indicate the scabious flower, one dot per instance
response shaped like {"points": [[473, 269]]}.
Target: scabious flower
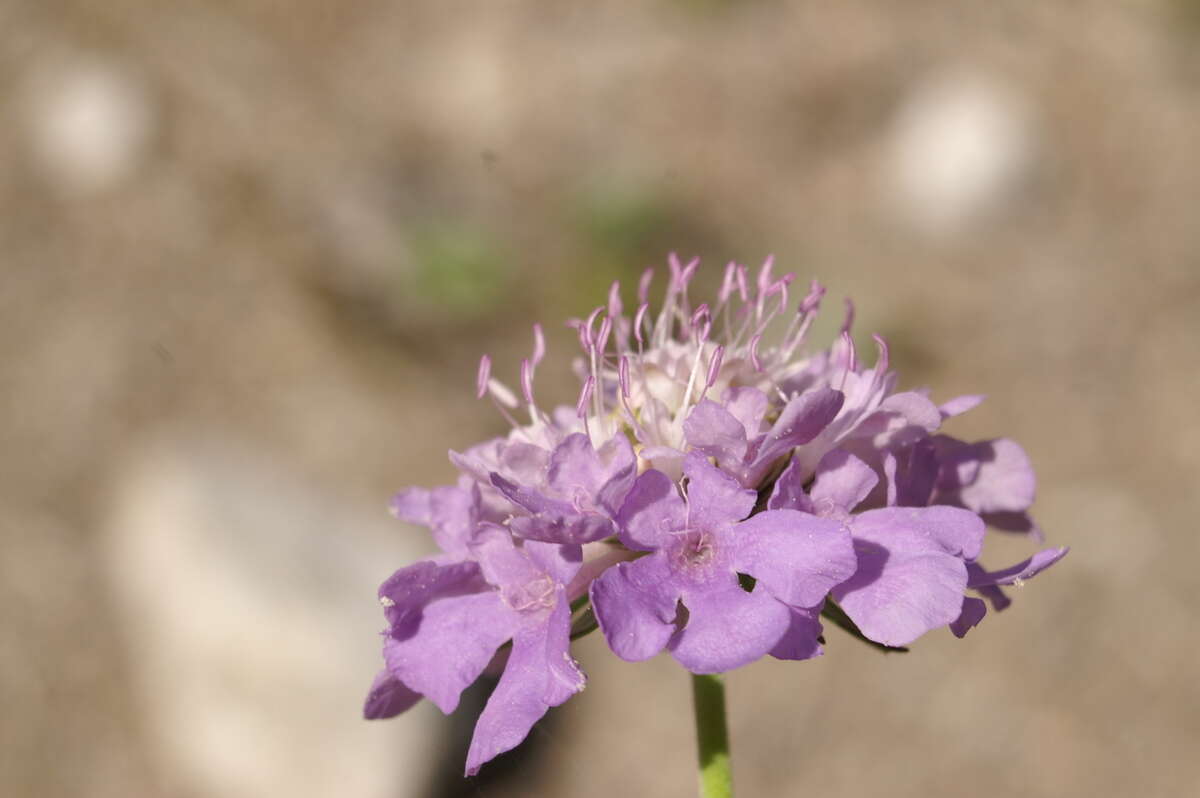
{"points": [[717, 489]]}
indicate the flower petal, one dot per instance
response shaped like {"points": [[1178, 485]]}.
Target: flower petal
{"points": [[959, 405], [842, 481], [635, 605], [901, 593], [580, 474], [714, 498], [796, 556], [789, 493], [406, 593], [540, 674], [803, 637], [802, 419], [388, 697], [748, 406], [715, 431], [911, 571], [1014, 575], [503, 564], [568, 529], [973, 610], [952, 530], [728, 627], [446, 649], [652, 510], [987, 477], [561, 563]]}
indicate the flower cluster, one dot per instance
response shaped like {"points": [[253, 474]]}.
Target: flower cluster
{"points": [[716, 490]]}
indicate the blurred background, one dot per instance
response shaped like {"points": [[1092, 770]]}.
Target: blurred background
{"points": [[250, 252]]}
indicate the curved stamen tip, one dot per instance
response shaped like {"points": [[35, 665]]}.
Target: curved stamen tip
{"points": [[481, 378], [638, 319], [849, 320], [688, 271], [614, 299], [881, 362], [585, 338], [727, 283], [527, 381], [644, 285], [742, 284], [764, 274], [539, 345], [813, 300], [676, 270], [602, 336], [701, 321], [851, 354]]}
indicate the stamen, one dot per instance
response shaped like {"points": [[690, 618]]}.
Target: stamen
{"points": [[754, 361], [527, 381], [882, 362], [781, 286], [481, 378], [637, 321], [764, 275], [585, 396], [714, 366], [688, 271], [676, 271], [502, 393], [727, 284], [701, 319], [614, 299], [849, 320], [591, 319], [539, 345], [644, 286], [851, 358], [691, 385], [602, 336], [852, 354], [623, 377], [743, 290], [813, 300]]}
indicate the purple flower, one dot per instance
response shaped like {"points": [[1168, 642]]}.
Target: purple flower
{"points": [[575, 497], [707, 492], [685, 594], [914, 563], [447, 620], [730, 433]]}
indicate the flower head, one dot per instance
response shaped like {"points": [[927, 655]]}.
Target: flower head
{"points": [[716, 488]]}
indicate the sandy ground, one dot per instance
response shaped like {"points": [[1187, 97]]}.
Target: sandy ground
{"points": [[250, 252]]}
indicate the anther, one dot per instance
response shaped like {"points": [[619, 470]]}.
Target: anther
{"points": [[638, 319], [481, 379], [539, 345], [527, 381], [644, 286]]}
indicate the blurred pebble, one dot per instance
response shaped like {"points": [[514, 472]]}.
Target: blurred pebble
{"points": [[958, 148], [90, 125]]}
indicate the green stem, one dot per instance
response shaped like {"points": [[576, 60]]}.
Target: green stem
{"points": [[712, 738]]}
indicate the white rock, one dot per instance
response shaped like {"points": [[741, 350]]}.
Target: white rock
{"points": [[249, 604]]}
